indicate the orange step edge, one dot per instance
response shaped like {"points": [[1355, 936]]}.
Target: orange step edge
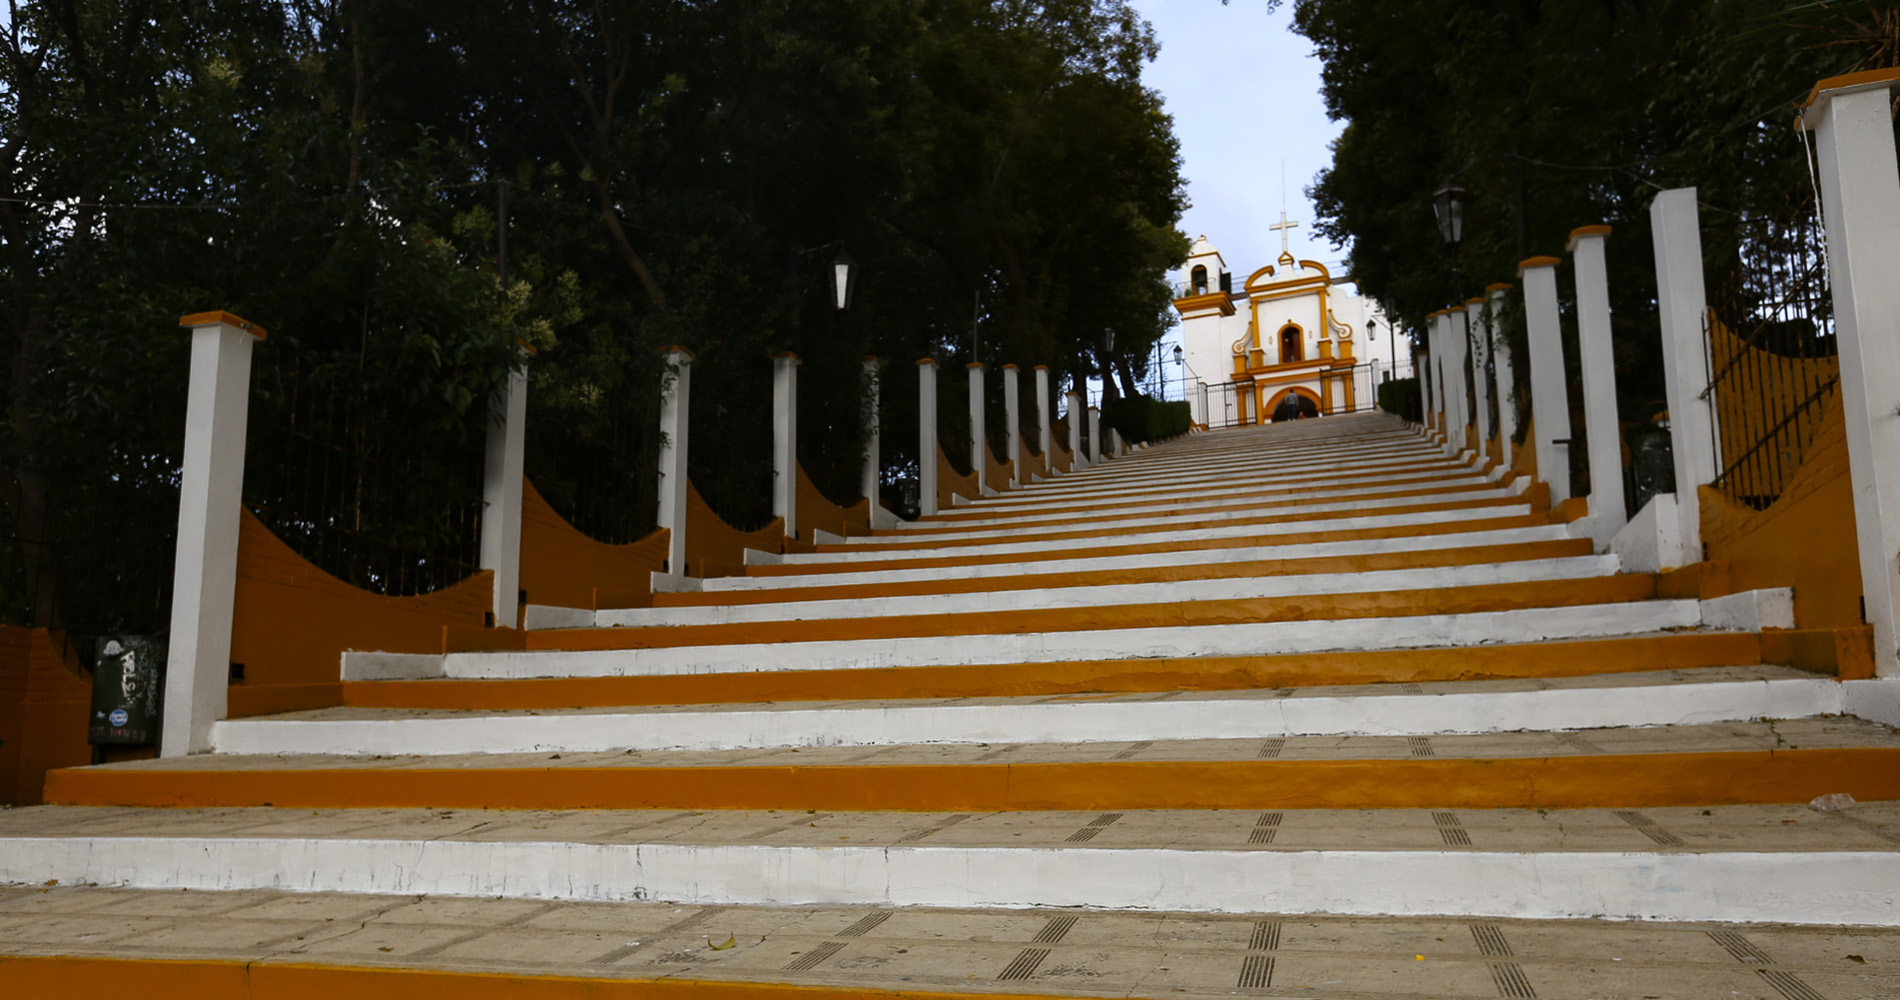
{"points": [[1701, 778], [1144, 548], [223, 979], [1574, 658], [1556, 548], [1170, 614]]}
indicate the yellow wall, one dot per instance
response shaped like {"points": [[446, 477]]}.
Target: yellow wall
{"points": [[44, 698], [564, 568]]}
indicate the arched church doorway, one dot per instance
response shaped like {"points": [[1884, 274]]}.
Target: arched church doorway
{"points": [[1292, 403]]}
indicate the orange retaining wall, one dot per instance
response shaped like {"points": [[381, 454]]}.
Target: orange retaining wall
{"points": [[44, 698], [997, 474], [1059, 458], [292, 620], [1805, 539], [715, 548], [564, 568], [949, 482], [815, 510]]}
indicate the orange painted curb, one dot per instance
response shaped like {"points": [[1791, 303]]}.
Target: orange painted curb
{"points": [[1143, 548], [1556, 548], [49, 976], [1581, 782], [1169, 614], [1677, 651]]}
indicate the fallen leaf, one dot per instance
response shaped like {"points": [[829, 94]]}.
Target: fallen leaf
{"points": [[731, 942]]}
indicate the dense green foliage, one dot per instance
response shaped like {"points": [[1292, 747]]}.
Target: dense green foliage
{"points": [[1401, 396], [1144, 419], [1555, 115], [675, 173]]}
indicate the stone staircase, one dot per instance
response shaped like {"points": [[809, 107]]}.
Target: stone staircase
{"points": [[1304, 710]]}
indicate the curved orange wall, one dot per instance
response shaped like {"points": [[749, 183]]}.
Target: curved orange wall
{"points": [[996, 474], [292, 621], [949, 482], [715, 548], [44, 698], [815, 510], [562, 567]]}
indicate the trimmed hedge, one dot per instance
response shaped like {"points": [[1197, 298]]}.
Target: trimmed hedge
{"points": [[1142, 419], [1400, 396]]}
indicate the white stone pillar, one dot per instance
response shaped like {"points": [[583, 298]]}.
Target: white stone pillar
{"points": [[1550, 392], [1077, 460], [1013, 416], [1682, 301], [1440, 347], [1860, 201], [785, 440], [1480, 368], [1207, 419], [1506, 372], [1597, 360], [927, 436], [501, 492], [1095, 436], [1045, 414], [676, 392], [1457, 379], [979, 440], [873, 475], [210, 496]]}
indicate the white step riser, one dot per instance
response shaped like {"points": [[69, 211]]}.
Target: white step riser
{"points": [[1838, 887], [1184, 557], [1149, 518], [1162, 537], [1254, 639], [1198, 499], [1058, 722], [1085, 486], [1111, 595], [1203, 464]]}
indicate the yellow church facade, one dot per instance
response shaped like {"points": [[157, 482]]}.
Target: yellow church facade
{"points": [[1290, 338]]}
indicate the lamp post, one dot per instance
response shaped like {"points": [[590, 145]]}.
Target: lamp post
{"points": [[844, 280], [1448, 205], [1181, 363]]}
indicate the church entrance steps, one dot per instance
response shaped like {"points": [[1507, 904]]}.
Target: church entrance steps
{"points": [[1262, 561], [1704, 695], [1275, 472], [1388, 522], [1365, 530], [1537, 542], [1732, 763], [1130, 500], [1571, 658], [871, 602], [1189, 513], [263, 944], [1529, 613]]}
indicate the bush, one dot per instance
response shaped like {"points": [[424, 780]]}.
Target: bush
{"points": [[1142, 420], [1400, 396]]}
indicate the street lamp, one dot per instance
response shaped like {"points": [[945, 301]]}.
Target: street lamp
{"points": [[844, 280], [1448, 204]]}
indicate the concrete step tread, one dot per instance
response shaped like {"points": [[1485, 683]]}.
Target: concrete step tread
{"points": [[1864, 826], [1727, 737], [665, 949]]}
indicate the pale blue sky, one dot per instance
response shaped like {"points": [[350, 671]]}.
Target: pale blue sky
{"points": [[1244, 93]]}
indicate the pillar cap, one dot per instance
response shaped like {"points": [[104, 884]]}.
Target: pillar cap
{"points": [[677, 349], [1475, 301], [788, 354], [1499, 286], [870, 357], [217, 316], [1434, 314], [932, 362], [530, 348], [1871, 79], [1582, 232], [1042, 368], [1530, 262], [1009, 368], [974, 364]]}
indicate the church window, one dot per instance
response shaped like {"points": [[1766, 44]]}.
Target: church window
{"points": [[1200, 280], [1291, 346]]}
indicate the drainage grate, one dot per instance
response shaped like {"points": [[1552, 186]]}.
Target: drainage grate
{"points": [[1133, 749], [1266, 936], [865, 924], [1265, 827], [1648, 828], [1789, 985], [1451, 829], [1741, 948], [1412, 689], [1511, 980], [1490, 938], [1054, 930], [1256, 972], [1025, 964], [1272, 748], [811, 958], [1095, 826], [948, 822], [1421, 746]]}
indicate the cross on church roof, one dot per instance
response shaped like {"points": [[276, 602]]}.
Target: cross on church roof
{"points": [[1283, 226]]}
